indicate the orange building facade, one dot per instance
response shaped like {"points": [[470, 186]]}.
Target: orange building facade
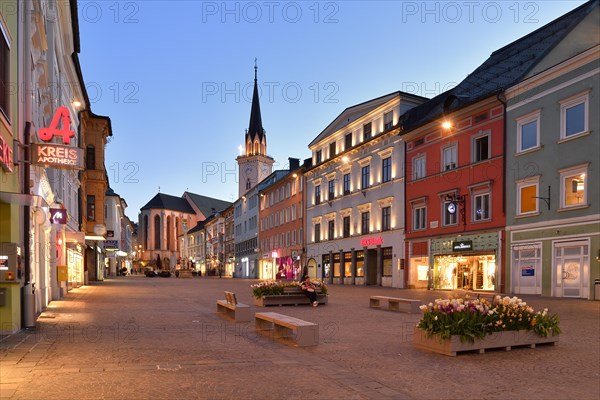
{"points": [[281, 224]]}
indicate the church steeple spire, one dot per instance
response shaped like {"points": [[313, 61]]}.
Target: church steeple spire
{"points": [[255, 129], [255, 165]]}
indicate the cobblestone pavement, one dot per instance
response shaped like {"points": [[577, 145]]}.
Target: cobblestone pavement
{"points": [[161, 338]]}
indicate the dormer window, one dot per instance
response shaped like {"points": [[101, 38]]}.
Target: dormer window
{"points": [[366, 131], [332, 150], [388, 120], [348, 141]]}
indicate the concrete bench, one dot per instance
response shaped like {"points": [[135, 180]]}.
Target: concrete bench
{"points": [[304, 333], [230, 307], [396, 304]]}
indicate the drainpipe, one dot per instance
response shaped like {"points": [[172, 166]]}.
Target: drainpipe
{"points": [[502, 99], [28, 290]]}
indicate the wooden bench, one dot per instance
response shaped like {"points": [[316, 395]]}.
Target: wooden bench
{"points": [[304, 333], [396, 304], [230, 307], [291, 296]]}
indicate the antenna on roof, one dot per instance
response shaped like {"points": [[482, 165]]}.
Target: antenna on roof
{"points": [[159, 189]]}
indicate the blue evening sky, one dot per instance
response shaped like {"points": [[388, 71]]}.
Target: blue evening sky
{"points": [[175, 77]]}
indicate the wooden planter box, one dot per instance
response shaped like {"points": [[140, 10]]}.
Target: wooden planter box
{"points": [[496, 340], [290, 296]]}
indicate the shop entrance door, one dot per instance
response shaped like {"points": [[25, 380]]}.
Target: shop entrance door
{"points": [[571, 261], [463, 276]]}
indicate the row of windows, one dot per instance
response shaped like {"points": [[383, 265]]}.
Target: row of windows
{"points": [[282, 217], [365, 181], [345, 264], [480, 205], [573, 122], [282, 193], [573, 191], [246, 247], [348, 142], [365, 225], [250, 224], [289, 238], [480, 151]]}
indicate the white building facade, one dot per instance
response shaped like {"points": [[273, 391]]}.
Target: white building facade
{"points": [[355, 195]]}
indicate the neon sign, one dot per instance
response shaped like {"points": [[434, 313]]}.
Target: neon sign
{"points": [[62, 115], [378, 241], [56, 155], [6, 155]]}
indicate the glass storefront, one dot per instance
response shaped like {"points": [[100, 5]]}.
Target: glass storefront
{"points": [[336, 265], [348, 264], [419, 272], [75, 267], [360, 263], [465, 271]]}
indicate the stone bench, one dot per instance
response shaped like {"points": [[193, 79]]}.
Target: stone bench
{"points": [[291, 296], [396, 304], [304, 333], [230, 307]]}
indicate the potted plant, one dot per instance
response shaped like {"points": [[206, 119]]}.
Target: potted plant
{"points": [[456, 324]]}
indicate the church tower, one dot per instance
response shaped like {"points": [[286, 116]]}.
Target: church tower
{"points": [[254, 165]]}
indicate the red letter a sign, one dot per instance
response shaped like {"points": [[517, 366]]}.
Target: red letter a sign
{"points": [[62, 114]]}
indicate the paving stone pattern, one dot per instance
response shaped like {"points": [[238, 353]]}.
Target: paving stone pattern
{"points": [[161, 338]]}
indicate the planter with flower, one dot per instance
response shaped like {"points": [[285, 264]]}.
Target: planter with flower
{"points": [[279, 293], [454, 325]]}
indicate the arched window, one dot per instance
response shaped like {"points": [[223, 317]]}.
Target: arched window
{"points": [[169, 233], [145, 228], [248, 184], [256, 147], [177, 232], [156, 233]]}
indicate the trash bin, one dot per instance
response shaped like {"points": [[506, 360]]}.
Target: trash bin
{"points": [[596, 289]]}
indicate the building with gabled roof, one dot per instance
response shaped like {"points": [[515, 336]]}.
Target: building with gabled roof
{"points": [[458, 192], [354, 195], [552, 185], [165, 218]]}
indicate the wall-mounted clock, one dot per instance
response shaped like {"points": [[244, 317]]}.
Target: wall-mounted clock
{"points": [[451, 207]]}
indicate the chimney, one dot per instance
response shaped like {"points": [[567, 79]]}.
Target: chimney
{"points": [[294, 163]]}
